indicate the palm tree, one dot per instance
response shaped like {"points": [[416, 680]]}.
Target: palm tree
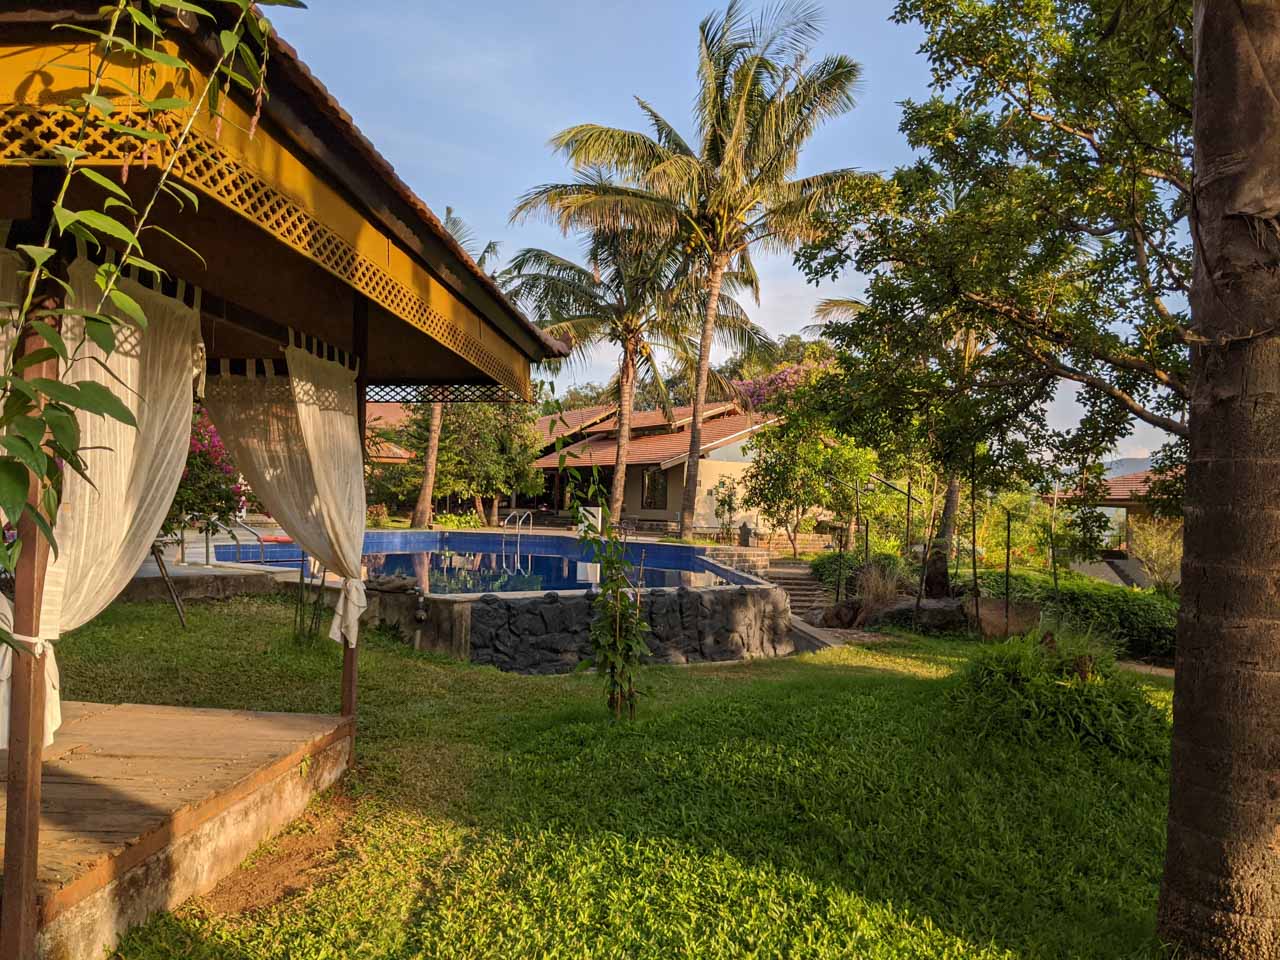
{"points": [[732, 190], [1221, 892], [635, 295], [422, 509]]}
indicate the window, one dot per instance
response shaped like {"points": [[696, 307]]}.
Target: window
{"points": [[653, 489]]}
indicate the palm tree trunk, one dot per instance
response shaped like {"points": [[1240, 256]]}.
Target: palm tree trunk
{"points": [[423, 508], [689, 502], [937, 579], [626, 400], [1221, 893]]}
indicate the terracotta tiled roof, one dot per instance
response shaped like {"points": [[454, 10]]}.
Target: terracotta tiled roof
{"points": [[680, 417], [386, 416], [384, 451], [666, 449], [1130, 486], [569, 422]]}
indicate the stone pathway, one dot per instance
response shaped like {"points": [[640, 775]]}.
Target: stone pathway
{"points": [[1150, 669]]}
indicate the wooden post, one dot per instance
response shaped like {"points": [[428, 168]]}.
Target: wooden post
{"points": [[908, 543], [360, 347], [1008, 553], [18, 918], [973, 536]]}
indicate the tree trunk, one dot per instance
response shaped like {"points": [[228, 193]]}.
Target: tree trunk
{"points": [[493, 510], [689, 502], [937, 578], [479, 505], [423, 509], [1221, 893], [626, 400]]}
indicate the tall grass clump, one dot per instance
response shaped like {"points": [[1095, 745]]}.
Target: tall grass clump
{"points": [[1045, 688]]}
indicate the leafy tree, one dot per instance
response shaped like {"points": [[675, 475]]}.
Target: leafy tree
{"points": [[1156, 543], [793, 350], [1066, 123], [579, 396], [486, 451], [731, 188], [636, 296], [795, 471], [919, 373]]}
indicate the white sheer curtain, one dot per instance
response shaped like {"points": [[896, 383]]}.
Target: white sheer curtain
{"points": [[105, 529], [297, 441]]}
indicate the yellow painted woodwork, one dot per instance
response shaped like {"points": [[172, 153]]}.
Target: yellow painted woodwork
{"points": [[257, 176]]}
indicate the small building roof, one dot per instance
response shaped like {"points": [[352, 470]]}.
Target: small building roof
{"points": [[663, 449], [1130, 486], [680, 417], [569, 423]]}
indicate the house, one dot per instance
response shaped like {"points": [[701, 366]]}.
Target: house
{"points": [[656, 459]]}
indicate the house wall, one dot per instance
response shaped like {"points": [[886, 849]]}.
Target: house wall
{"points": [[710, 474], [633, 498]]}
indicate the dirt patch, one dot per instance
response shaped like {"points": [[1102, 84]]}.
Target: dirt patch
{"points": [[307, 854]]}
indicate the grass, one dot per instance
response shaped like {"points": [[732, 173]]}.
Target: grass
{"points": [[819, 806]]}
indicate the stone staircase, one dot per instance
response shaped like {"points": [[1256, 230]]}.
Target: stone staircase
{"points": [[804, 590]]}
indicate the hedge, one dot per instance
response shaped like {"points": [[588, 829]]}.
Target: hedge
{"points": [[1141, 623]]}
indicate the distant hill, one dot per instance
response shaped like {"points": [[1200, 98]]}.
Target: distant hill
{"points": [[1125, 465]]}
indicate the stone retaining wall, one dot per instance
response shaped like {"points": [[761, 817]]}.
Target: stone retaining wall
{"points": [[549, 633]]}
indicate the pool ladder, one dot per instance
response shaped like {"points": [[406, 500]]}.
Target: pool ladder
{"points": [[519, 516]]}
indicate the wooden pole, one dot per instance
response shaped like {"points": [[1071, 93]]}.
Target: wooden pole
{"points": [[973, 536], [360, 347], [908, 543], [18, 918], [1053, 538], [1008, 553]]}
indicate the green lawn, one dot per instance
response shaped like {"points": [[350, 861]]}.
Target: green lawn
{"points": [[813, 807]]}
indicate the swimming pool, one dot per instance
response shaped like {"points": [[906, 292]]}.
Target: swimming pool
{"points": [[464, 562]]}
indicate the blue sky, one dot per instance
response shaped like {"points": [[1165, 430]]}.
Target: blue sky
{"points": [[462, 98]]}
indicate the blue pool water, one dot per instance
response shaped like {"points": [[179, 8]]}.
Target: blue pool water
{"points": [[466, 562]]}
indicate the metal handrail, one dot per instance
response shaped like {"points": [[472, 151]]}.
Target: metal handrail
{"points": [[215, 522], [520, 516], [262, 544]]}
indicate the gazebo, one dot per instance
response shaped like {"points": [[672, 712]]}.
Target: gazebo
{"points": [[321, 273]]}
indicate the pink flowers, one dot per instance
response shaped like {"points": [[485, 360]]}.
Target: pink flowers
{"points": [[763, 389]]}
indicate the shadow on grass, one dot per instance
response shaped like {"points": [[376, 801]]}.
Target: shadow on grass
{"points": [[805, 807], [846, 787]]}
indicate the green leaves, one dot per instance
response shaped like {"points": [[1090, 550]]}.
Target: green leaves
{"points": [[86, 395], [97, 398], [13, 488]]}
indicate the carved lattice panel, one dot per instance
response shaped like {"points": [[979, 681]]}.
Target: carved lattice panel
{"points": [[442, 393], [29, 133]]}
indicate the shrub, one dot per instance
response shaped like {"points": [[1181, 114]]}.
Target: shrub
{"points": [[878, 588], [376, 516], [1140, 623], [1059, 687], [457, 521], [1157, 545], [827, 567]]}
